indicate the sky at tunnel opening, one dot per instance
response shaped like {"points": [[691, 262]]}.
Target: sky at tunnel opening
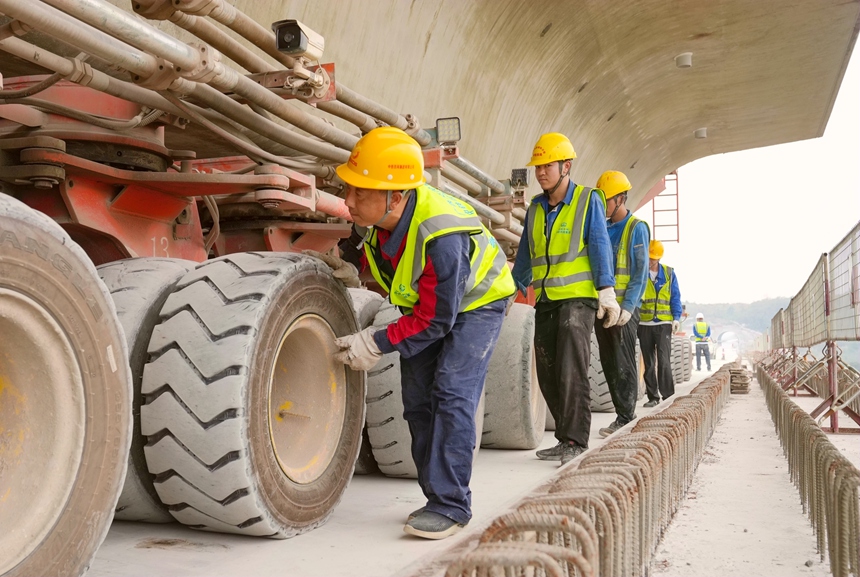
{"points": [[754, 223]]}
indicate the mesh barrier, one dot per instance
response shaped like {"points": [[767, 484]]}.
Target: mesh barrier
{"points": [[827, 308], [806, 322], [845, 288], [776, 331]]}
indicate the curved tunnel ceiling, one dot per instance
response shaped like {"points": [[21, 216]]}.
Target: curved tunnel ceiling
{"points": [[764, 72]]}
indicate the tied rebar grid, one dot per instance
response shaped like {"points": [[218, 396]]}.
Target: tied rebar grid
{"points": [[606, 516], [827, 481]]}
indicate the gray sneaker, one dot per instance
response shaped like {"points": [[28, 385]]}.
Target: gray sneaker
{"points": [[606, 431], [571, 452], [650, 404], [415, 513], [430, 525], [551, 454]]}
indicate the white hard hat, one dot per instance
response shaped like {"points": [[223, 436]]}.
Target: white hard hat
{"points": [[700, 316]]}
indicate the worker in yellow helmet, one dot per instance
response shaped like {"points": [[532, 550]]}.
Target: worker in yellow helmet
{"points": [[566, 255], [448, 275], [659, 317], [629, 237]]}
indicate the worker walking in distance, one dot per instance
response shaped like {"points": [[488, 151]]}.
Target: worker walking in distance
{"points": [[659, 317], [566, 256], [629, 237], [702, 334], [446, 272]]}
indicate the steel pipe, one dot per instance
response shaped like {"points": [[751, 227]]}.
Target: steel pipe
{"points": [[478, 174], [100, 81], [212, 35], [463, 181], [122, 25], [80, 35], [332, 205], [364, 122]]}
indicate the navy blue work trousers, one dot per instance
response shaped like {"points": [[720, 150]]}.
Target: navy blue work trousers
{"points": [[442, 386]]}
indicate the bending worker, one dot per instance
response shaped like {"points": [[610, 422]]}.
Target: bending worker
{"points": [[450, 278], [629, 237], [659, 317], [565, 254], [702, 334]]}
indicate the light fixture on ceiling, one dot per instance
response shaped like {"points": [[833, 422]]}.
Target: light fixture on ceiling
{"points": [[701, 133], [684, 60]]}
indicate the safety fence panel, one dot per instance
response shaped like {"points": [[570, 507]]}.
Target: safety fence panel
{"points": [[776, 330], [808, 312], [845, 288]]}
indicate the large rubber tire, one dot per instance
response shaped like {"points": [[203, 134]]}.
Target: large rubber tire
{"points": [[252, 427], [139, 287], [365, 305], [515, 411], [601, 400], [688, 360], [65, 399], [677, 357], [389, 434]]}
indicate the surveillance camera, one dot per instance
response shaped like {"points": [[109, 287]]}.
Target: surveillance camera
{"points": [[297, 39]]}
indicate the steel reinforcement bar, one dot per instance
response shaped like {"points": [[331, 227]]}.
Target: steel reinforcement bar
{"points": [[827, 481], [605, 513]]}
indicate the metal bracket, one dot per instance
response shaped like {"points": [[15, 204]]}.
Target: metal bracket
{"points": [[289, 84]]}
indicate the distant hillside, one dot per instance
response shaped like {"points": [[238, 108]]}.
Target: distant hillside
{"points": [[754, 316]]}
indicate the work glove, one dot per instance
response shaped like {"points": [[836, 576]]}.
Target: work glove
{"points": [[358, 350], [607, 305], [623, 318], [510, 304], [343, 271], [676, 326]]}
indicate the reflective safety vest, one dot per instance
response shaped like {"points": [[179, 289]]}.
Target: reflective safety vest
{"points": [[622, 260], [437, 214], [654, 304], [702, 329], [560, 264]]}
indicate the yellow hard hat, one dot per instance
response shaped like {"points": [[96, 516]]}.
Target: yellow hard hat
{"points": [[385, 158], [613, 183], [551, 147], [655, 250]]}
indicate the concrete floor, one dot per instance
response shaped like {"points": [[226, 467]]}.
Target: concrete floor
{"points": [[742, 516], [364, 536]]}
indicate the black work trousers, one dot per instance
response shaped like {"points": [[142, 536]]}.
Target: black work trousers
{"points": [[563, 350], [618, 358], [656, 344]]}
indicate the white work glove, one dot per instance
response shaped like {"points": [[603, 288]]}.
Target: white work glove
{"points": [[358, 350], [607, 305], [676, 326], [623, 318], [343, 271]]}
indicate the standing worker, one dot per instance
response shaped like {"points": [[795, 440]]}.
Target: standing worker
{"points": [[565, 254], [659, 317], [629, 237], [446, 272], [702, 334]]}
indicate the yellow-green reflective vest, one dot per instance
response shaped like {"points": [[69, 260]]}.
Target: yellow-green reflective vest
{"points": [[702, 329], [622, 261], [437, 214], [560, 265], [654, 304]]}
